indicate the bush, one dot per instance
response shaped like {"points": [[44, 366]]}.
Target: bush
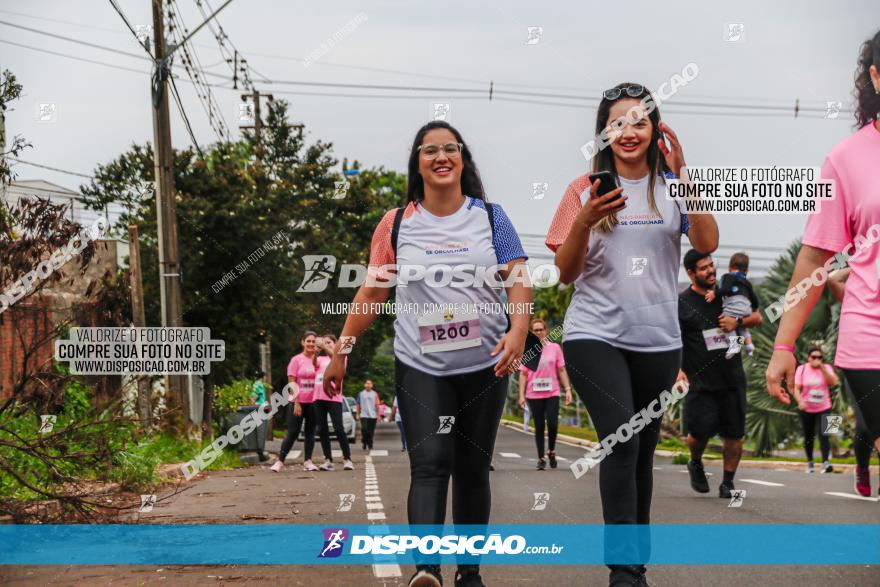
{"points": [[227, 398]]}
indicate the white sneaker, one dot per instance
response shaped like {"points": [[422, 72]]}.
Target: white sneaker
{"points": [[327, 466], [277, 466], [348, 465], [309, 466], [810, 468], [827, 468]]}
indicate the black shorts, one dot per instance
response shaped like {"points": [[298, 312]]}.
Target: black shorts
{"points": [[718, 411]]}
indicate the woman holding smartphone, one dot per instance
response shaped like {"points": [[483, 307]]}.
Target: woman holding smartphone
{"points": [[843, 225], [621, 341], [451, 361]]}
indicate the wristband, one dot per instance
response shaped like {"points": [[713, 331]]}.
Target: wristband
{"points": [[783, 347]]}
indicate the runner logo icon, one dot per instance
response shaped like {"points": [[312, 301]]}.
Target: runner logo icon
{"points": [[737, 496], [541, 501], [345, 502], [334, 542], [446, 423], [318, 271], [832, 425], [638, 265]]}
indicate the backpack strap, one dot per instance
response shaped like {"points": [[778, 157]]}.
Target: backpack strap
{"points": [[490, 212], [395, 229]]}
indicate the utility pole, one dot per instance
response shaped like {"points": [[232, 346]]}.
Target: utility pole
{"points": [[138, 320], [255, 96], [176, 390]]}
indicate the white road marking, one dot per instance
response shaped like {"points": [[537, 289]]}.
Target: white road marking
{"points": [[510, 455], [561, 459], [852, 496], [386, 571], [374, 502], [336, 453], [658, 468], [294, 454], [759, 482], [783, 470], [380, 453]]}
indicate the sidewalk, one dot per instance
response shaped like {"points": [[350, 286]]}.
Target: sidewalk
{"points": [[760, 464]]}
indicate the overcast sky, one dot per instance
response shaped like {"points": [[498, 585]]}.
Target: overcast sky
{"points": [[788, 50]]}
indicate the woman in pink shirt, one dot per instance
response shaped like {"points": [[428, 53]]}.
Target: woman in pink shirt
{"points": [[301, 372], [327, 405], [847, 226], [812, 391], [540, 389]]}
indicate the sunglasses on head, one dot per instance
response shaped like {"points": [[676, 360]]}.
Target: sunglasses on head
{"points": [[634, 91]]}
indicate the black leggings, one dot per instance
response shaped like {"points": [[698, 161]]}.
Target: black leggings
{"points": [[368, 428], [546, 408], [865, 387], [294, 425], [615, 384], [322, 408], [811, 421], [440, 447], [862, 445]]}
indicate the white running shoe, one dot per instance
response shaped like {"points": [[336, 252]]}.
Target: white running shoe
{"points": [[327, 466], [348, 465], [277, 466], [810, 468], [827, 468], [309, 466]]}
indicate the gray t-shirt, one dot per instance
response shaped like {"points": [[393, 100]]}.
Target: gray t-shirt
{"points": [[454, 328], [367, 402], [627, 293]]}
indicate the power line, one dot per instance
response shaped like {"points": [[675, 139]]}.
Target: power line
{"points": [[31, 163], [121, 14], [185, 117]]}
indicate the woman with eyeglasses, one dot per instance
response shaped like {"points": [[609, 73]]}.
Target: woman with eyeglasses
{"points": [[539, 389], [847, 225], [812, 391], [622, 341], [451, 250]]}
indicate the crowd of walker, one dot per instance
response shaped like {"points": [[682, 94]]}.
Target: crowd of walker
{"points": [[627, 335]]}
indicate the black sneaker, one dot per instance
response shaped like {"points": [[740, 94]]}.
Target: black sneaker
{"points": [[551, 456], [427, 577], [699, 483], [724, 490], [469, 578], [626, 576], [542, 464]]}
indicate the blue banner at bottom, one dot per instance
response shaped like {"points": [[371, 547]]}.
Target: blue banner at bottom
{"points": [[520, 544]]}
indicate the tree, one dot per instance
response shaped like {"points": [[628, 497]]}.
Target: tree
{"points": [[768, 422], [230, 204]]}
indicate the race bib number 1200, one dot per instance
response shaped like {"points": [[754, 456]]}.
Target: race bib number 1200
{"points": [[447, 331]]}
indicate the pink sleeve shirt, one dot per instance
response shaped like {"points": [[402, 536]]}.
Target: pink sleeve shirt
{"points": [[850, 224], [544, 382], [814, 388], [302, 369], [319, 382]]}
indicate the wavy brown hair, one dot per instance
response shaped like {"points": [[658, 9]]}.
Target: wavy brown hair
{"points": [[604, 159], [867, 98]]}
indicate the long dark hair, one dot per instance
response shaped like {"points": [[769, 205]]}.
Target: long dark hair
{"points": [[471, 184], [305, 335], [867, 98], [604, 159]]}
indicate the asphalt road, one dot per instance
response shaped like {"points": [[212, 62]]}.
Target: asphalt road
{"points": [[256, 495]]}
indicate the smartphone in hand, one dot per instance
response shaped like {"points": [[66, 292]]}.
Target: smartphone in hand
{"points": [[607, 184]]}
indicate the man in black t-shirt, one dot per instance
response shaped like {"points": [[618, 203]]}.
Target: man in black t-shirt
{"points": [[716, 399]]}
